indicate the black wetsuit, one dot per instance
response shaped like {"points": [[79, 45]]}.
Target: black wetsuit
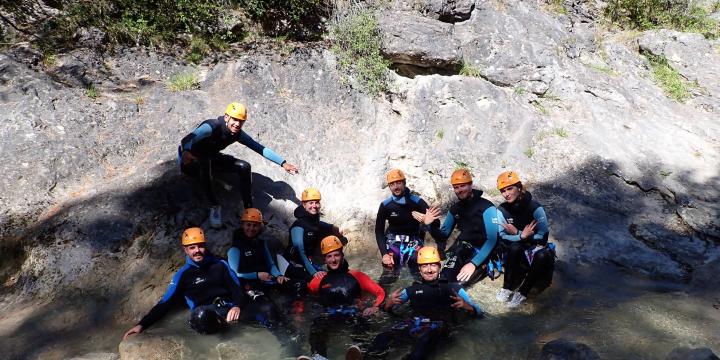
{"points": [[305, 235], [206, 142], [433, 318], [476, 218], [518, 267], [339, 292], [210, 288], [403, 236]]}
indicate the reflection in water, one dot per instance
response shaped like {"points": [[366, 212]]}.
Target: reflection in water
{"points": [[617, 315]]}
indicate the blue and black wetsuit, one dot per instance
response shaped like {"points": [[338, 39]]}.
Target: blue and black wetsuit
{"points": [[404, 235], [210, 288], [433, 317], [206, 142], [248, 257], [305, 235], [526, 262], [477, 220]]}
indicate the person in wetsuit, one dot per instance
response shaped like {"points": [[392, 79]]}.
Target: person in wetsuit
{"points": [[250, 258], [306, 232], [207, 284], [525, 231], [340, 293], [398, 244], [199, 156], [476, 218], [436, 307]]}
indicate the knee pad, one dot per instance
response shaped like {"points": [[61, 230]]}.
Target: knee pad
{"points": [[205, 321], [243, 167]]}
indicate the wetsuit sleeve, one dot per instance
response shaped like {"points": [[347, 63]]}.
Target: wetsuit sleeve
{"points": [[503, 233], [489, 218], [172, 294], [297, 234], [404, 296], [314, 285], [234, 262], [255, 146], [542, 226], [370, 286], [233, 284], [198, 134], [380, 229], [464, 295], [274, 271]]}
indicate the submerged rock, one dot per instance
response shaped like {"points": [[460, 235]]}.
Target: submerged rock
{"points": [[563, 349]]}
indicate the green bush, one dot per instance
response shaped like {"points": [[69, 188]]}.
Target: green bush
{"points": [[357, 45], [183, 82], [299, 19], [681, 15], [674, 85]]}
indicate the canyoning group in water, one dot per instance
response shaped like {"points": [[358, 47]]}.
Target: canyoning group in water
{"points": [[510, 240]]}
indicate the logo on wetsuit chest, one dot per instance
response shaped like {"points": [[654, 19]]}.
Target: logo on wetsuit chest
{"points": [[198, 280], [249, 253], [394, 214], [310, 233], [511, 221], [418, 291]]}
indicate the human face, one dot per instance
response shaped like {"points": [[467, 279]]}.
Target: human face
{"points": [[397, 187], [196, 252], [334, 259], [312, 206], [430, 272], [251, 229], [463, 191], [235, 125], [510, 193]]}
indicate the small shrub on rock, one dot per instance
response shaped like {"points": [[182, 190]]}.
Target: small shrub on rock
{"points": [[357, 44], [682, 15], [674, 84]]}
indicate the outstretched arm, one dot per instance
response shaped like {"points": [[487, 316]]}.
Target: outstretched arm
{"points": [[297, 235]]}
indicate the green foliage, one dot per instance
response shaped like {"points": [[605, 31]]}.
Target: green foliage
{"points": [[183, 82], [603, 68], [469, 70], [681, 15], [461, 164], [561, 132], [665, 173], [299, 19], [357, 46], [519, 90], [540, 107], [674, 85], [440, 134], [529, 152], [557, 7], [198, 49], [91, 92]]}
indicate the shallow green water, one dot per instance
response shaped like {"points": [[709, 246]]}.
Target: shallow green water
{"points": [[617, 315]]}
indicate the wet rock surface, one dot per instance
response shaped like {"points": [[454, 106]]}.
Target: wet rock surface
{"points": [[92, 198], [563, 349]]}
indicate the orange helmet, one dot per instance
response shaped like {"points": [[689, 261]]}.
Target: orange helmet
{"points": [[330, 244], [236, 110], [395, 175], [507, 178], [252, 215], [461, 176], [310, 193], [428, 255], [193, 235]]}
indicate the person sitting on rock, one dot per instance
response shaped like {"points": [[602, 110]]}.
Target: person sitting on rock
{"points": [[208, 285], [476, 218], [250, 257], [530, 259], [340, 293], [199, 156], [305, 236], [398, 244], [436, 308]]}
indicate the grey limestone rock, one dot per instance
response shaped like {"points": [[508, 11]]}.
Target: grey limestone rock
{"points": [[563, 349]]}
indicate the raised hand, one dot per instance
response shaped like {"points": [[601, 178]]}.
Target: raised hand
{"points": [[529, 230]]}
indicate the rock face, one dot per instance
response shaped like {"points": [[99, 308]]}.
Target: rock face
{"points": [[692, 354], [92, 198]]}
